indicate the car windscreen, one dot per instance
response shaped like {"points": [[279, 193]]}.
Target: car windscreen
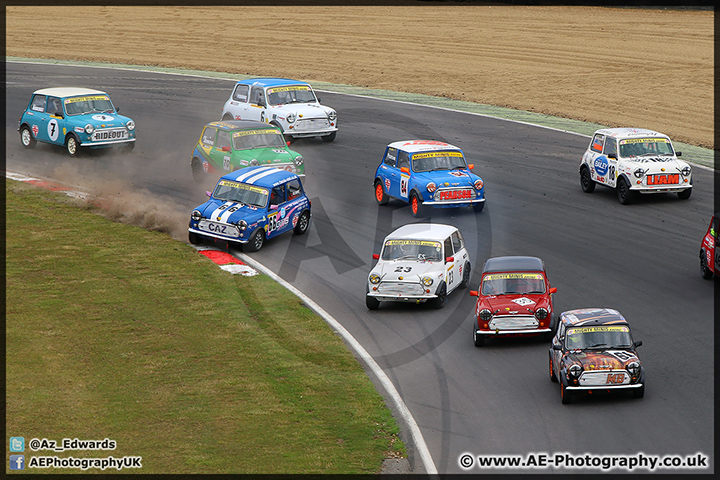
{"points": [[430, 161], [290, 94], [265, 138], [421, 250], [512, 284], [601, 337], [88, 104], [639, 147], [230, 191]]}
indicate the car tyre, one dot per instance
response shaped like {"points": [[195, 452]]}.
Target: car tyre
{"points": [[553, 378], [197, 170], [441, 299], [415, 205], [478, 207], [639, 392], [685, 194], [586, 182], [625, 195], [565, 395], [380, 197], [256, 240], [478, 339], [26, 137], [372, 303], [227, 117], [72, 146], [194, 238], [303, 223], [466, 276], [704, 270], [329, 138]]}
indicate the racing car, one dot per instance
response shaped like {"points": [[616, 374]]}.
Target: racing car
{"points": [[251, 205], [427, 173], [709, 254]]}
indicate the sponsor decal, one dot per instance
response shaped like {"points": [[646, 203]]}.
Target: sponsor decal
{"points": [[255, 132], [426, 142], [523, 301], [505, 276], [644, 140], [457, 173], [424, 243], [437, 154], [79, 129], [615, 378], [667, 179], [35, 130], [404, 180], [295, 219], [103, 118], [86, 99], [454, 194], [287, 89], [53, 130], [117, 134], [387, 180], [37, 108], [601, 166], [572, 331]]}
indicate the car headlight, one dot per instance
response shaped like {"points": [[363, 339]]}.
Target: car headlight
{"points": [[253, 162], [426, 280], [633, 368], [431, 187], [485, 315], [290, 118], [196, 215], [374, 278], [478, 184], [639, 172], [541, 313], [332, 116], [89, 129], [299, 160], [242, 224], [574, 370], [686, 171], [130, 125]]}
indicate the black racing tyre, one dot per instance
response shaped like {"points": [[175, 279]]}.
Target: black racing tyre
{"points": [[625, 195], [256, 240], [372, 303], [329, 138], [566, 396], [478, 207], [26, 137], [441, 299], [478, 339], [197, 169], [685, 194], [704, 269], [466, 276], [416, 205], [586, 182], [639, 392], [303, 223], [72, 145], [194, 238], [553, 378], [380, 196], [227, 117]]}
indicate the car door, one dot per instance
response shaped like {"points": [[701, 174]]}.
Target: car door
{"points": [[256, 104], [278, 221], [403, 171], [596, 160], [221, 152], [55, 120], [460, 254], [239, 103], [452, 272], [389, 173], [610, 153], [37, 118]]}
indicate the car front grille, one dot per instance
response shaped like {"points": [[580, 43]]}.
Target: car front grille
{"points": [[513, 322], [604, 377], [400, 289], [311, 124]]}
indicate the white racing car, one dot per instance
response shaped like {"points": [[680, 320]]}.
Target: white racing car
{"points": [[634, 160], [419, 262]]}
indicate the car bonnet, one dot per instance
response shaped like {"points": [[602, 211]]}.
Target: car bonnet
{"points": [[447, 178], [603, 360], [391, 270]]}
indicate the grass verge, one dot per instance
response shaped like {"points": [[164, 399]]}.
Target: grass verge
{"points": [[117, 332]]}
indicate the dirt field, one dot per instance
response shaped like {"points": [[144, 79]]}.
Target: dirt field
{"points": [[615, 66]]}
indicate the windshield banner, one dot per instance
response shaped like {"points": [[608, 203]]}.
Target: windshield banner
{"points": [[437, 154], [86, 99]]}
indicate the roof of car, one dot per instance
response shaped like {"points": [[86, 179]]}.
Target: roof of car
{"points": [[513, 264], [625, 132], [592, 316], [423, 231], [68, 91], [240, 124], [260, 176], [414, 146], [271, 82]]}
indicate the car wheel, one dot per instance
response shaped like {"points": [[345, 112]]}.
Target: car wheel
{"points": [[194, 238], [704, 270], [26, 137], [685, 194], [586, 181], [638, 392], [565, 395], [372, 303], [227, 117], [625, 195], [441, 299], [72, 145], [380, 196], [197, 170], [256, 241], [478, 340], [478, 207], [129, 147], [415, 205], [466, 276], [553, 378], [329, 138], [303, 223]]}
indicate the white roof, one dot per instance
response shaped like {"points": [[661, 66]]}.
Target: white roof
{"points": [[68, 91], [625, 132], [423, 231], [414, 146]]}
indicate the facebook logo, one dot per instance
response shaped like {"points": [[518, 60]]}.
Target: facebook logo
{"points": [[17, 462], [17, 444]]}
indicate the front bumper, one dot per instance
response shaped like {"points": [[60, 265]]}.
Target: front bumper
{"points": [[453, 203], [525, 331], [663, 189], [219, 237]]}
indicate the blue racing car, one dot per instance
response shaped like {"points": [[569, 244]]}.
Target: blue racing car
{"points": [[251, 205], [427, 173]]}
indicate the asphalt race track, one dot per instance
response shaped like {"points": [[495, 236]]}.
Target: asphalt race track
{"points": [[640, 259]]}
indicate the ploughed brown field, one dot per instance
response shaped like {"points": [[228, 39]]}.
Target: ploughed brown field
{"points": [[650, 68]]}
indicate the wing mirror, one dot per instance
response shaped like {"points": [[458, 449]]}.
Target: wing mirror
{"points": [[376, 256], [552, 290], [471, 166], [226, 149], [208, 193], [474, 293], [449, 259], [405, 169], [638, 343], [556, 346], [678, 154]]}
